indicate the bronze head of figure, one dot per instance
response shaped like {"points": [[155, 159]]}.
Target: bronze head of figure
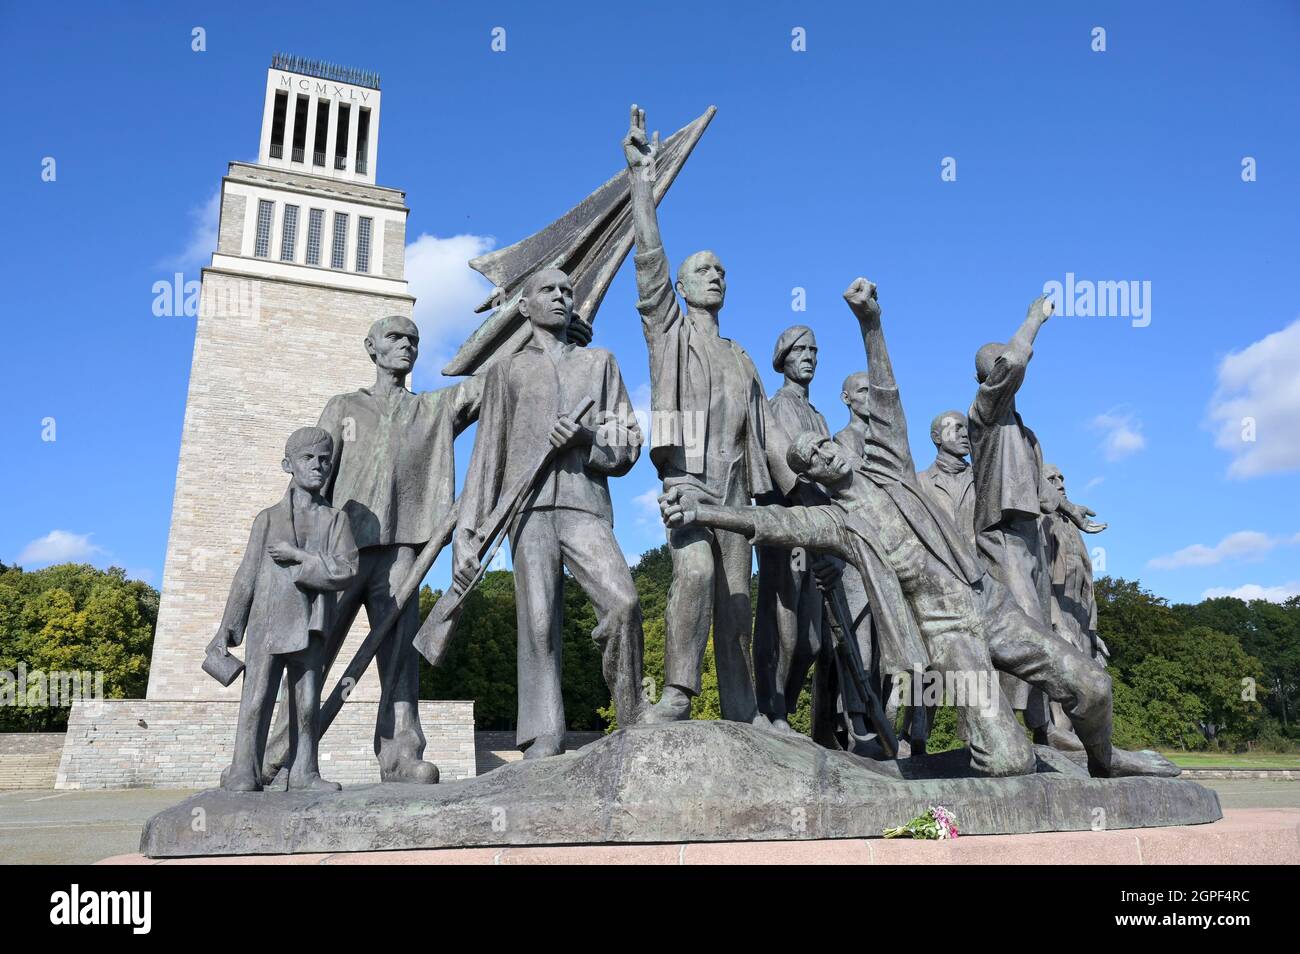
{"points": [[948, 431]]}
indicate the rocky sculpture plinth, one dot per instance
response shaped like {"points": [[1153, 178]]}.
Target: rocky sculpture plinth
{"points": [[690, 781]]}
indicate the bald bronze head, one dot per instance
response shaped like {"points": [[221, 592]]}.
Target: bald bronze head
{"points": [[818, 458], [393, 343], [986, 357], [702, 281], [854, 393]]}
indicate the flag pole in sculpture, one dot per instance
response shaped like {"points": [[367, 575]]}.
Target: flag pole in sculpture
{"points": [[588, 243]]}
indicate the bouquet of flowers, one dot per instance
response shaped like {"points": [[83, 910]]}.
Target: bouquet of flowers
{"points": [[935, 824]]}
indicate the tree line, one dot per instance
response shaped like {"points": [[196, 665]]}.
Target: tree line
{"points": [[1219, 674]]}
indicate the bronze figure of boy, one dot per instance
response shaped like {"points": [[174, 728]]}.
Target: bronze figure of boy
{"points": [[300, 554]]}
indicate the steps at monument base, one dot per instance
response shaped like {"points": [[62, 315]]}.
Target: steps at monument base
{"points": [[29, 759], [493, 749], [1271, 775], [28, 769]]}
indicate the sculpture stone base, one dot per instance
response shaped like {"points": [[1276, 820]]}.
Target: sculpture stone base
{"points": [[686, 782]]}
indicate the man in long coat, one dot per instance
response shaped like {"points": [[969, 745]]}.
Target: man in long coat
{"points": [[712, 437], [566, 519]]}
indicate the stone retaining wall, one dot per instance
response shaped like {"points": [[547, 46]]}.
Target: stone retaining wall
{"points": [[148, 743]]}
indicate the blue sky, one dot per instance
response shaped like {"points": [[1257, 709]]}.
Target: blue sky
{"points": [[1120, 165]]}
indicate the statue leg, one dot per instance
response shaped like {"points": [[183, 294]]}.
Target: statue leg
{"points": [[1060, 734], [825, 696], [874, 666], [1038, 711], [732, 621], [1012, 553], [954, 620], [304, 677], [998, 745], [804, 645], [920, 719], [539, 579], [399, 739], [1030, 651], [690, 608], [262, 673], [345, 612], [767, 626], [596, 561]]}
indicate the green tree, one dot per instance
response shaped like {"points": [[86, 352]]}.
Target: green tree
{"points": [[1170, 714], [943, 731], [481, 662], [1215, 670], [1270, 632], [1133, 622], [74, 618]]}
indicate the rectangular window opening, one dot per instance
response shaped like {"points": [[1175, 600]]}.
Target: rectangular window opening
{"points": [[278, 114], [265, 212], [289, 233], [300, 127], [338, 250], [315, 223], [364, 228], [363, 140], [321, 139], [341, 137]]}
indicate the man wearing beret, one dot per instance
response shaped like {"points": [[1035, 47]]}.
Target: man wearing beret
{"points": [[789, 631]]}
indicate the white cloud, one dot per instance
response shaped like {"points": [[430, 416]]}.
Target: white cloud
{"points": [[59, 546], [204, 220], [1122, 434], [1095, 482], [1255, 410], [446, 293], [1242, 545], [1253, 591], [647, 506]]}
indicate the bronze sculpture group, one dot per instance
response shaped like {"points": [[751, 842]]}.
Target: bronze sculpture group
{"points": [[870, 573]]}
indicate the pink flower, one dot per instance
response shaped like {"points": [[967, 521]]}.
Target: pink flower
{"points": [[946, 823]]}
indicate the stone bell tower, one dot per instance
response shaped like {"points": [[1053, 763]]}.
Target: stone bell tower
{"points": [[310, 251]]}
